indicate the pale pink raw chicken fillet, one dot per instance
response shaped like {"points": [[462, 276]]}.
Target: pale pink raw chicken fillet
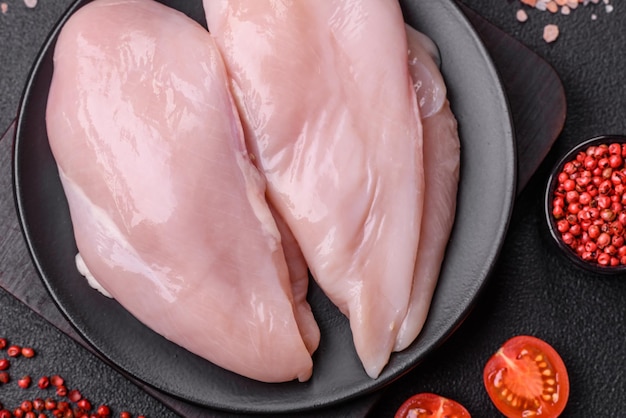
{"points": [[331, 118], [441, 173], [168, 211], [299, 274]]}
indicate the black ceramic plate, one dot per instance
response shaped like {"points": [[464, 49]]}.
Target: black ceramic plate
{"points": [[484, 205]]}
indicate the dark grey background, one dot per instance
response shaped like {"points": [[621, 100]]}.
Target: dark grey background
{"points": [[531, 291]]}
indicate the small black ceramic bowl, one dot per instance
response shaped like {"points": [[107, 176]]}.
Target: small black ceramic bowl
{"points": [[585, 205]]}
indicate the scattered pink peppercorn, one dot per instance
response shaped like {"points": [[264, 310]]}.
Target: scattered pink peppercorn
{"points": [[57, 380], [74, 396], [84, 404], [28, 352], [37, 408], [103, 411], [3, 344], [26, 406], [43, 382], [38, 404], [62, 390], [4, 377], [14, 351], [50, 404], [24, 382]]}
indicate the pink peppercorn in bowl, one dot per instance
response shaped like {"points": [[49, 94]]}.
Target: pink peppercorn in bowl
{"points": [[585, 204]]}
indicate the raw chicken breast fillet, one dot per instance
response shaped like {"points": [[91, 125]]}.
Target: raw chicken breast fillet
{"points": [[331, 118], [441, 173], [168, 211]]}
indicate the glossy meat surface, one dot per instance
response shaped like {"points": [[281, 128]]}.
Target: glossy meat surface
{"points": [[441, 173], [168, 211], [331, 117]]}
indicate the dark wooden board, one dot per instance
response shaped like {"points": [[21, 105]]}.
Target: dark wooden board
{"points": [[535, 94]]}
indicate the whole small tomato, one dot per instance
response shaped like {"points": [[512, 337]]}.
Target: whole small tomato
{"points": [[431, 405], [527, 377]]}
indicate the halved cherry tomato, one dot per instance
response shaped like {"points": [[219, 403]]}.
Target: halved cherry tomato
{"points": [[432, 406], [526, 377]]}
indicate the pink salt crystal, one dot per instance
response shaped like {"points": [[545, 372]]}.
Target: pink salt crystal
{"points": [[572, 4], [552, 7], [550, 33], [4, 7], [30, 3], [521, 15]]}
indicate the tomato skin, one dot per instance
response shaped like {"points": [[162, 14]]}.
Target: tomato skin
{"points": [[526, 377], [431, 405]]}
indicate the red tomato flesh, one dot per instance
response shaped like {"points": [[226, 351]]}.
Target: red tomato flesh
{"points": [[431, 405], [526, 377]]}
